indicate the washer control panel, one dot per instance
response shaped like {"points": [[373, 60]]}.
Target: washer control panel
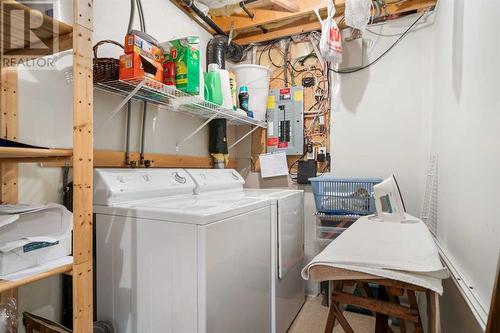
{"points": [[112, 186], [211, 180]]}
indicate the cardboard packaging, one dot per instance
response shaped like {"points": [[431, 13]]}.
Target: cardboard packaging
{"points": [[137, 66], [134, 43], [32, 235], [185, 53]]}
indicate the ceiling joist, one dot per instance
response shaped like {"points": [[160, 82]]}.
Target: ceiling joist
{"points": [[272, 19]]}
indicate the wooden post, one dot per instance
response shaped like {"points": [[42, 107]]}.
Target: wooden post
{"points": [[9, 130], [82, 166]]}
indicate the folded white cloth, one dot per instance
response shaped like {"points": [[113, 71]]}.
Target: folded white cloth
{"points": [[400, 251]]}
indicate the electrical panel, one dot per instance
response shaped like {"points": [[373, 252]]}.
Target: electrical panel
{"points": [[285, 120]]}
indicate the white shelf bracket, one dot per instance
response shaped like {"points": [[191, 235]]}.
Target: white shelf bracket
{"points": [[243, 137], [193, 133], [121, 105]]}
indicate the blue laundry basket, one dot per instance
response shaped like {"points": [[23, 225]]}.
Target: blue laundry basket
{"points": [[344, 196]]}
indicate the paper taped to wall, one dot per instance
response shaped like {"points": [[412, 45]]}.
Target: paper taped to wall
{"points": [[273, 165]]}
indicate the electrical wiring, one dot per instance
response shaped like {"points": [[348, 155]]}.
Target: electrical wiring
{"points": [[403, 35]]}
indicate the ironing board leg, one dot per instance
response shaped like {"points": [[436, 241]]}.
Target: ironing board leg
{"points": [[381, 320]]}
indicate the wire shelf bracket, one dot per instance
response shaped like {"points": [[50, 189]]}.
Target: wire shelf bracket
{"points": [[243, 137], [193, 133], [171, 99]]}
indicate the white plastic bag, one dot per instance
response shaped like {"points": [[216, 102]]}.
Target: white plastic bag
{"points": [[330, 44], [357, 13]]}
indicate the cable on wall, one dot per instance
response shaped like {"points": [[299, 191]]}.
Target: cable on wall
{"points": [[403, 35]]}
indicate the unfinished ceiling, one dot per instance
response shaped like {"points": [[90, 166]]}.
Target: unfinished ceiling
{"points": [[264, 20]]}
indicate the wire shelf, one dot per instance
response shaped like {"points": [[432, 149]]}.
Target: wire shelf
{"points": [[175, 100]]}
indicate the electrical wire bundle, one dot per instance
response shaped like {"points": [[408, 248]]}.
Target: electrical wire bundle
{"points": [[318, 78]]}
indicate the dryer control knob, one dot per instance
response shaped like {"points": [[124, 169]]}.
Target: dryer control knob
{"points": [[147, 177]]}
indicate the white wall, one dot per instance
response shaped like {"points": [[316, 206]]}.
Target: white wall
{"points": [[465, 127], [382, 121], [45, 111]]}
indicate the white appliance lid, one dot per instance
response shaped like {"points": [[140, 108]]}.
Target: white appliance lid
{"points": [[114, 186], [190, 209], [216, 180]]}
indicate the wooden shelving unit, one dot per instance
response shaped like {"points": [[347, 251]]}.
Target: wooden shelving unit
{"points": [[57, 37], [30, 155], [8, 285]]}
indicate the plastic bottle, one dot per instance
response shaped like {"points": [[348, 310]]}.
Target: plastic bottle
{"points": [[232, 84], [244, 98], [212, 89]]}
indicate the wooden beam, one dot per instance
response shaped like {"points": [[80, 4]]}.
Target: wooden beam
{"points": [[82, 166], [9, 172], [116, 159], [264, 16], [303, 22], [287, 5], [294, 28]]}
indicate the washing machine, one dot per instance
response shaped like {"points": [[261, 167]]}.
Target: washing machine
{"points": [[287, 238], [171, 261]]}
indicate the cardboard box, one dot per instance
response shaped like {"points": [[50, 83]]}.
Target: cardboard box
{"points": [[136, 66], [185, 52], [134, 43]]}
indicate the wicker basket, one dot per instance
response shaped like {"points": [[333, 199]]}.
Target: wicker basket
{"points": [[106, 69]]}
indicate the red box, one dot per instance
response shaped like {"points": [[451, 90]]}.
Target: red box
{"points": [[134, 43], [136, 66]]}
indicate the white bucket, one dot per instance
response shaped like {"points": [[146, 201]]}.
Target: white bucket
{"points": [[256, 78]]}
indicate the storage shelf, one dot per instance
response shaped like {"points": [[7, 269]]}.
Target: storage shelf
{"points": [[56, 36], [7, 285], [10, 154], [175, 100]]}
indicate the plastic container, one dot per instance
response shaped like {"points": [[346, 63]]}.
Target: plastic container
{"points": [[243, 98], [336, 221], [344, 196], [212, 87], [329, 233], [227, 98], [256, 78]]}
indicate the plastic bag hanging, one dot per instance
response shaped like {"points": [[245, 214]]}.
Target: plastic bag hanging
{"points": [[357, 13], [330, 44]]}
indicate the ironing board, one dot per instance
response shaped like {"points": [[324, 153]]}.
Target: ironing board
{"points": [[382, 309], [400, 259]]}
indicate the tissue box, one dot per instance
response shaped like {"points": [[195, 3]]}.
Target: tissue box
{"points": [[33, 237], [136, 66]]}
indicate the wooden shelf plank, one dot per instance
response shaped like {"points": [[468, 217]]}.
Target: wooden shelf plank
{"points": [[116, 159], [10, 154], [8, 285], [53, 36]]}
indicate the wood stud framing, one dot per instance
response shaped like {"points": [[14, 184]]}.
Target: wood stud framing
{"points": [[292, 17], [82, 166], [116, 159], [80, 38], [9, 192]]}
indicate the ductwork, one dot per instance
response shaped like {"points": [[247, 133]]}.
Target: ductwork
{"points": [[218, 50]]}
